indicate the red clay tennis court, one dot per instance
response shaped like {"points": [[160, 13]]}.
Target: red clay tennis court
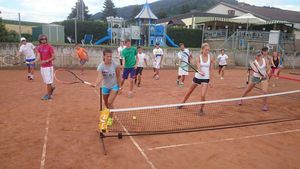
{"points": [[61, 133]]}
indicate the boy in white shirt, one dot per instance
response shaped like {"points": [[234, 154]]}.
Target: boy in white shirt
{"points": [[28, 50], [222, 63], [158, 57], [184, 56], [142, 61], [120, 48]]}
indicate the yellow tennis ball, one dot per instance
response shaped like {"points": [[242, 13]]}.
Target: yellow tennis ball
{"points": [[134, 117]]}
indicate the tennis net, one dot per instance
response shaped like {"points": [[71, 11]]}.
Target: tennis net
{"points": [[225, 113]]}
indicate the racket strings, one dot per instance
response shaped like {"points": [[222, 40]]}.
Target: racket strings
{"points": [[65, 76]]}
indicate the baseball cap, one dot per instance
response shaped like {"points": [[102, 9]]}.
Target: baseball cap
{"points": [[258, 53], [23, 39], [157, 43]]}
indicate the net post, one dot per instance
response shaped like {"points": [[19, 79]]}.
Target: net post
{"points": [[100, 99], [102, 136]]}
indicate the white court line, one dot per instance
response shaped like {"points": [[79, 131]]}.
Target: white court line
{"points": [[43, 158], [134, 142], [138, 147], [223, 140]]}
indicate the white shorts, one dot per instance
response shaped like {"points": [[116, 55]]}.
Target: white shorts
{"points": [[181, 72], [47, 74], [156, 63]]}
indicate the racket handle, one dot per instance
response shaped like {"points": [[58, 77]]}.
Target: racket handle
{"points": [[88, 83]]}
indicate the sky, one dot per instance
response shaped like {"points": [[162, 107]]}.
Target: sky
{"points": [[48, 11]]}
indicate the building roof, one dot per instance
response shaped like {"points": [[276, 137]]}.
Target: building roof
{"points": [[192, 14], [146, 13], [177, 22], [267, 13]]}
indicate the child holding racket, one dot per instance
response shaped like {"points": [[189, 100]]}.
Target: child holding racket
{"points": [[28, 50], [205, 64], [260, 68], [184, 56], [46, 55], [222, 63], [82, 56], [109, 75]]}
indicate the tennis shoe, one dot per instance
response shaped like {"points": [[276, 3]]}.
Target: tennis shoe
{"points": [[179, 107], [177, 82], [222, 78], [240, 102], [265, 108], [130, 94], [181, 84], [201, 112], [46, 97]]}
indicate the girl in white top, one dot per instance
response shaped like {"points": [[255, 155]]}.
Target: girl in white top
{"points": [[222, 63], [205, 64], [262, 64]]}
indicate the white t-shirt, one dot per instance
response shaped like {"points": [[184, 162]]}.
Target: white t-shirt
{"points": [[158, 52], [184, 55], [142, 58], [27, 50], [120, 51], [222, 59]]}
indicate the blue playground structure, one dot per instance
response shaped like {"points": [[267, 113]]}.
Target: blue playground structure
{"points": [[105, 38], [146, 33], [171, 42]]}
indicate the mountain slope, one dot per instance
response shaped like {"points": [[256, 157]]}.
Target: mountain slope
{"points": [[170, 7]]}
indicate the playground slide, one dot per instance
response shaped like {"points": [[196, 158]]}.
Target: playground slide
{"points": [[98, 42], [108, 37], [171, 42]]}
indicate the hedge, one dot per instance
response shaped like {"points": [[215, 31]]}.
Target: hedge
{"points": [[190, 37]]}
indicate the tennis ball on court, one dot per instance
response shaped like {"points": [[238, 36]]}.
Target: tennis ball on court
{"points": [[134, 117]]}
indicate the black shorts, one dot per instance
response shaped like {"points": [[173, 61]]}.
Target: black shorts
{"points": [[199, 81], [221, 66], [139, 70]]}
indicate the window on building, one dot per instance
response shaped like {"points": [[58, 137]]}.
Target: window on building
{"points": [[231, 12]]}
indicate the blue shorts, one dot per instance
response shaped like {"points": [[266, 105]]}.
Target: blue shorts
{"points": [[30, 64], [106, 91], [128, 71], [82, 61]]}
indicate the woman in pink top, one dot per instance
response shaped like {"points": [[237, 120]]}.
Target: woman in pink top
{"points": [[45, 53]]}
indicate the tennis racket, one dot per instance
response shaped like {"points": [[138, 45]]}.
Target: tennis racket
{"points": [[11, 60], [68, 77], [255, 69], [188, 67]]}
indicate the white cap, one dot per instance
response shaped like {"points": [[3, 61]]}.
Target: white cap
{"points": [[23, 39]]}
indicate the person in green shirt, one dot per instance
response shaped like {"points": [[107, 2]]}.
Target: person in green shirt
{"points": [[129, 55]]}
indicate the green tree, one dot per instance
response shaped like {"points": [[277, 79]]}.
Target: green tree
{"points": [[185, 9], [73, 13], [7, 36], [97, 28], [136, 10], [109, 9], [161, 14]]}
